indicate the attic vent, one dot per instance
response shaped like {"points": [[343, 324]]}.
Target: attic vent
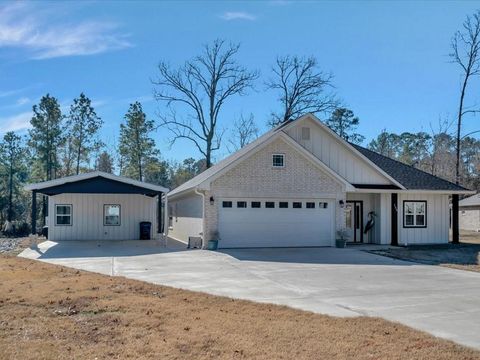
{"points": [[305, 133]]}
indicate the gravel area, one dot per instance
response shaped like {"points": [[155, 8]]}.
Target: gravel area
{"points": [[15, 245]]}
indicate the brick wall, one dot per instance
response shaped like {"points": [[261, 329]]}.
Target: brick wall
{"points": [[255, 177]]}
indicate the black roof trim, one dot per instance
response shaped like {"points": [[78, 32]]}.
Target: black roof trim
{"points": [[410, 177], [376, 186]]}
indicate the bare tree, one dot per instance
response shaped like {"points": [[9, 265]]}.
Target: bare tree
{"points": [[465, 52], [302, 88], [244, 131], [202, 86]]}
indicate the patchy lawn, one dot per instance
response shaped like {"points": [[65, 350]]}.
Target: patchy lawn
{"points": [[52, 312], [463, 256]]}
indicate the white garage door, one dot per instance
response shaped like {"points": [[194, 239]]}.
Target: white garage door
{"points": [[276, 223]]}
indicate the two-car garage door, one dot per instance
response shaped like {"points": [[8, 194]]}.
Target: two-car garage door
{"points": [[276, 223]]}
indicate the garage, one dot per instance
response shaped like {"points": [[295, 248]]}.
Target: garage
{"points": [[276, 222]]}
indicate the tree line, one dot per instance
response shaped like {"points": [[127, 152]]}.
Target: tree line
{"points": [[191, 99]]}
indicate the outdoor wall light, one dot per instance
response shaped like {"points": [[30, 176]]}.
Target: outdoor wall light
{"points": [[212, 200], [341, 203]]}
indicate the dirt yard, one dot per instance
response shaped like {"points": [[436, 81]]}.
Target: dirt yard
{"points": [[51, 312], [463, 256]]}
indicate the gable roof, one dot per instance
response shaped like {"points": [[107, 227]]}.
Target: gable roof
{"points": [[473, 200], [410, 177], [43, 186], [223, 165]]}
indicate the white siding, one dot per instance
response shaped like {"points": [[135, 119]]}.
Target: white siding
{"points": [[437, 220], [385, 218], [336, 155], [469, 219], [187, 217], [87, 219]]}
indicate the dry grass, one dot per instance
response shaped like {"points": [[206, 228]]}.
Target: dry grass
{"points": [[463, 256], [51, 312]]}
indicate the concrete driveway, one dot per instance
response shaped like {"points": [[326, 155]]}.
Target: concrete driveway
{"points": [[341, 282]]}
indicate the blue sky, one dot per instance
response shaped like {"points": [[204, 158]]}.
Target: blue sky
{"points": [[389, 58]]}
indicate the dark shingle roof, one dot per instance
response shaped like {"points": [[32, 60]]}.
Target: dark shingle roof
{"points": [[408, 176]]}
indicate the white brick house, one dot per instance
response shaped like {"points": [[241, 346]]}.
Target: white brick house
{"points": [[300, 183], [470, 213]]}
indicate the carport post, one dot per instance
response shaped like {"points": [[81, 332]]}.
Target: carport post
{"points": [[455, 225], [34, 212], [159, 213]]}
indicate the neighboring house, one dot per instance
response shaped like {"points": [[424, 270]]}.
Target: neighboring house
{"points": [[300, 183], [99, 206], [470, 213]]}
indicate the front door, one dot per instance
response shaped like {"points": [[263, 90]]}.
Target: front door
{"points": [[354, 221]]}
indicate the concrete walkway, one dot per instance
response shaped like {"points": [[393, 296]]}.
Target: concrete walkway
{"points": [[339, 282]]}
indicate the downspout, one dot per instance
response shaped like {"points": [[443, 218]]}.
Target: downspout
{"points": [[166, 223], [203, 215]]}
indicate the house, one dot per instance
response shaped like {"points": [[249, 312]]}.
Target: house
{"points": [[469, 217], [300, 183], [99, 206]]}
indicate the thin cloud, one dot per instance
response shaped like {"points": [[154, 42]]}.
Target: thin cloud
{"points": [[17, 122], [237, 15], [23, 100], [21, 26]]}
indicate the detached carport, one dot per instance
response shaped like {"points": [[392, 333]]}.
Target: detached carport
{"points": [[99, 206]]}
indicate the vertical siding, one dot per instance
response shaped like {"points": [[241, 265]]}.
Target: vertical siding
{"points": [[336, 156], [88, 216], [437, 220]]}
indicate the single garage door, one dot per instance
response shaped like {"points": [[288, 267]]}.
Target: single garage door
{"points": [[276, 223]]}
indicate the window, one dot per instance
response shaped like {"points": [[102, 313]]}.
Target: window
{"points": [[323, 205], [305, 133], [63, 215], [241, 204], [227, 204], [111, 215], [297, 205], [283, 205], [256, 204], [278, 160], [310, 205], [269, 204], [414, 214]]}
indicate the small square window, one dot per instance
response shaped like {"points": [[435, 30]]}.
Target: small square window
{"points": [[297, 205], [278, 160], [111, 215], [323, 205], [283, 205], [305, 133], [310, 205], [269, 204], [241, 204], [256, 204], [227, 204]]}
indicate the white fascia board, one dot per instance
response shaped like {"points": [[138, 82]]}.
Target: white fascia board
{"points": [[415, 191]]}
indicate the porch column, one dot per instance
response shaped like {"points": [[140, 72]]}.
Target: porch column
{"points": [[34, 212], [394, 241], [455, 225]]}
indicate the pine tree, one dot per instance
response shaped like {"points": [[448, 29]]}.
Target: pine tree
{"points": [[344, 123], [13, 156], [83, 125], [136, 146], [46, 136], [104, 162]]}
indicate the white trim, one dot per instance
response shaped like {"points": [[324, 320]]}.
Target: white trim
{"points": [[415, 191], [85, 176], [319, 123]]}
